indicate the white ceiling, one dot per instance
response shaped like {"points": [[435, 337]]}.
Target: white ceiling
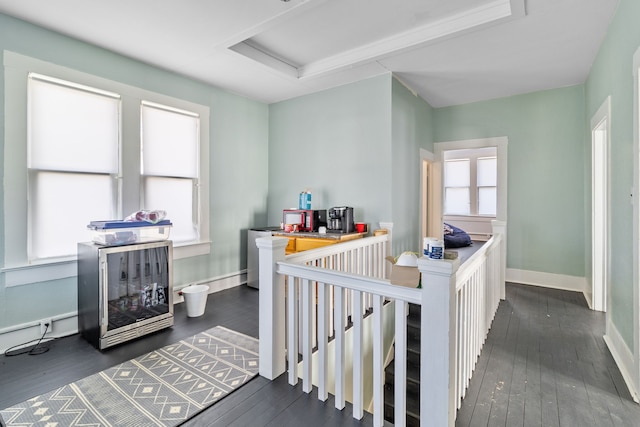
{"points": [[449, 52]]}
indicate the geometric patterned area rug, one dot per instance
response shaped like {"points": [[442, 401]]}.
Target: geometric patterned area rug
{"points": [[164, 387]]}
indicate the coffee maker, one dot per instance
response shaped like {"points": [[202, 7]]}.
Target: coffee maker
{"points": [[340, 220]]}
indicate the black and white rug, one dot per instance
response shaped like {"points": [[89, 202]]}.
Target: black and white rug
{"points": [[162, 388]]}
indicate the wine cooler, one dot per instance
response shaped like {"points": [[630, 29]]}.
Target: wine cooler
{"points": [[124, 292]]}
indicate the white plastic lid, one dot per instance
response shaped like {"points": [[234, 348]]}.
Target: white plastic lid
{"points": [[407, 259]]}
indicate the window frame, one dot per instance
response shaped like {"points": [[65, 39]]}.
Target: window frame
{"points": [[17, 268], [472, 155], [40, 163]]}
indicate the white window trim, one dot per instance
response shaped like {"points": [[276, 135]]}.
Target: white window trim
{"points": [[600, 187], [501, 144], [611, 333], [17, 268], [472, 156]]}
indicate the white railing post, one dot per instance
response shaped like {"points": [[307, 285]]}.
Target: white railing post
{"points": [[438, 342], [272, 307], [500, 227]]}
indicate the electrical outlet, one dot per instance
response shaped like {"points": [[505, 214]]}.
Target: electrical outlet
{"points": [[43, 328]]}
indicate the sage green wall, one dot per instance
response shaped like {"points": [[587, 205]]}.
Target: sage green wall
{"points": [[356, 145], [611, 75], [546, 157], [412, 129], [335, 143], [238, 174]]}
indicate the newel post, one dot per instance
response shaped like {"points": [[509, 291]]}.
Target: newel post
{"points": [[272, 307], [438, 342], [500, 227]]}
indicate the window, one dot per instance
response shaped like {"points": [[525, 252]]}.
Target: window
{"points": [[79, 148], [170, 166], [72, 150], [470, 182]]}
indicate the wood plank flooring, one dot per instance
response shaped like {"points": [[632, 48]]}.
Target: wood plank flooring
{"points": [[544, 364], [258, 403]]}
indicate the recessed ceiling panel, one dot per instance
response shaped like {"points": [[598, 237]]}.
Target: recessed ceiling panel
{"points": [[343, 25]]}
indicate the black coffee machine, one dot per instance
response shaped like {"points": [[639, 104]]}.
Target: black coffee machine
{"points": [[340, 220]]}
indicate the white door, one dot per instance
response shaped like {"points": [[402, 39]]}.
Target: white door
{"points": [[599, 207]]}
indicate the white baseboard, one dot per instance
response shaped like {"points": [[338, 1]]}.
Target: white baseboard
{"points": [[547, 280], [67, 323], [623, 357], [27, 334], [216, 284]]}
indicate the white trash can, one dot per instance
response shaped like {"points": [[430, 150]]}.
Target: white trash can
{"points": [[195, 297]]}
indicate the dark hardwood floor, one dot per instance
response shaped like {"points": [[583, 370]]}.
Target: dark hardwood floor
{"points": [[258, 403], [544, 364]]}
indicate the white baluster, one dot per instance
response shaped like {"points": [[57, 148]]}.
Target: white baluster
{"points": [[293, 322], [358, 369], [339, 347], [307, 365], [323, 338], [378, 363], [400, 365]]}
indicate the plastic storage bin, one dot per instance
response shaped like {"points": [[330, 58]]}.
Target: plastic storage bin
{"points": [[114, 233]]}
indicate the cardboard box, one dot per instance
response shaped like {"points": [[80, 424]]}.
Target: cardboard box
{"points": [[404, 276]]}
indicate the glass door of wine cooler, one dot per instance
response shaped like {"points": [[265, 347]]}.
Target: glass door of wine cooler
{"points": [[137, 286]]}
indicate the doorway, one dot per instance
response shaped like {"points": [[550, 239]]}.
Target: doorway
{"points": [[430, 196], [600, 131]]}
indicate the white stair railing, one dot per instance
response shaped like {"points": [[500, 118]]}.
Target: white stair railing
{"points": [[458, 304]]}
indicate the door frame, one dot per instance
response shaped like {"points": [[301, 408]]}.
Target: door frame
{"points": [[600, 193], [430, 196]]}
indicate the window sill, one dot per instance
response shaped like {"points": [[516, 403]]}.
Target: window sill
{"points": [[65, 268], [187, 250]]}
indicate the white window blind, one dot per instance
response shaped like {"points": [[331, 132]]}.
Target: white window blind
{"points": [[72, 127], [169, 141], [170, 159], [457, 181], [487, 181], [72, 158]]}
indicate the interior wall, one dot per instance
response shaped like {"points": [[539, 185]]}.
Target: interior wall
{"points": [[239, 181], [547, 154], [611, 75], [412, 129], [336, 144], [356, 145]]}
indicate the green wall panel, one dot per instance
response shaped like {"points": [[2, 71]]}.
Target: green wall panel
{"points": [[335, 143], [546, 158], [611, 75]]}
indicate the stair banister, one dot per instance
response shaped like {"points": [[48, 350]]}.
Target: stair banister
{"points": [[437, 342]]}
